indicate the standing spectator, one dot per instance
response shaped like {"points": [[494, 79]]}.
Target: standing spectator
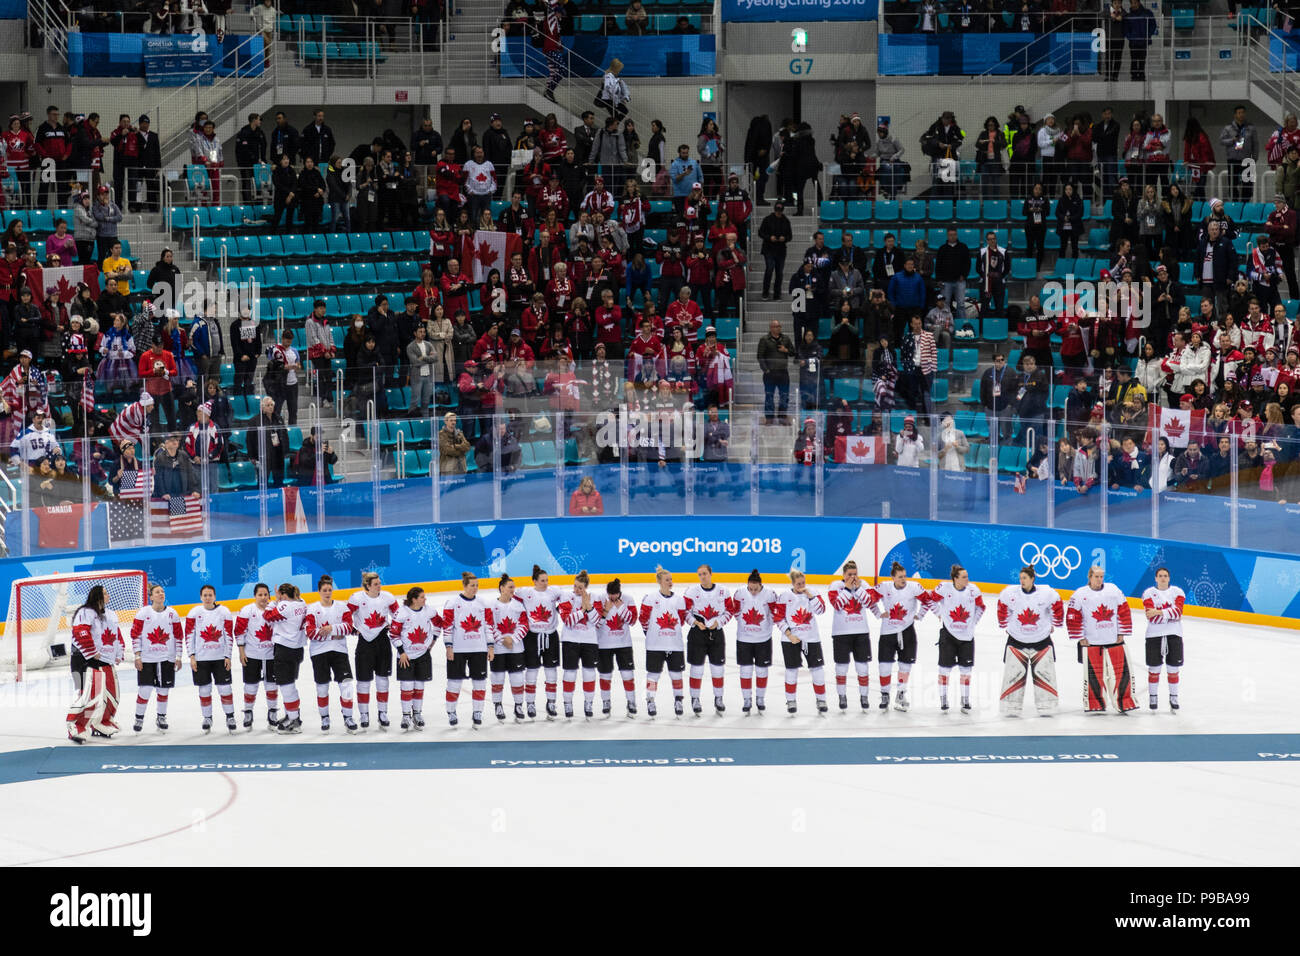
{"points": [[614, 95], [1105, 140], [1217, 265], [310, 192], [1282, 230], [317, 140], [992, 267], [284, 141], [952, 262], [422, 360], [1239, 144], [775, 232], [426, 145], [126, 156], [158, 369], [998, 388], [1050, 140], [250, 150], [774, 353], [1024, 151], [452, 447], [1116, 31], [321, 351], [684, 172], [284, 186], [920, 362], [609, 153], [246, 344], [1198, 156], [85, 228], [51, 142], [496, 145], [1155, 151], [338, 192], [989, 149], [270, 444], [1139, 28], [480, 184], [1069, 220], [205, 144], [208, 345], [107, 215]]}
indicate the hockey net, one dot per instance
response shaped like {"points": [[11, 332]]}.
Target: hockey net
{"points": [[38, 627]]}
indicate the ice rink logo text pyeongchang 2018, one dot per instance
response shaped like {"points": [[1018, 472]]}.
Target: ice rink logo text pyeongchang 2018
{"points": [[801, 4], [677, 548]]}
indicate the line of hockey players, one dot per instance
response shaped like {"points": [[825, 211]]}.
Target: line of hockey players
{"points": [[516, 635]]}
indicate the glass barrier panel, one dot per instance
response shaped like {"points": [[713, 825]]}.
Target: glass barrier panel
{"points": [[788, 459], [1268, 473], [962, 485], [1078, 470], [721, 473]]}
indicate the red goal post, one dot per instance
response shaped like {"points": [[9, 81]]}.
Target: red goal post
{"points": [[38, 624]]}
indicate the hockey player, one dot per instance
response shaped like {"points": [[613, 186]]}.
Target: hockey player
{"points": [[413, 633], [209, 636], [97, 650], [1163, 605], [253, 636], [466, 623], [327, 625], [614, 645], [509, 625], [795, 614], [288, 639], [156, 642], [1098, 617], [663, 613], [754, 608], [959, 606], [579, 614], [541, 649], [372, 611], [849, 599], [708, 615], [900, 604], [1028, 612]]}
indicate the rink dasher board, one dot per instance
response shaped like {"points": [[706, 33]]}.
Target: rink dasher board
{"points": [[768, 752]]}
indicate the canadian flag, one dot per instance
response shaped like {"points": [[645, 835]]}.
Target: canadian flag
{"points": [[490, 250], [1177, 425], [63, 281], [860, 450]]}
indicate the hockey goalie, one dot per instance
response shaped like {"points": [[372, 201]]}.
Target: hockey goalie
{"points": [[1098, 616], [97, 650], [1028, 612]]}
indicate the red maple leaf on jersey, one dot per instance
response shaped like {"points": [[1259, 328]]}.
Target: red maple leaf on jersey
{"points": [[708, 613], [851, 606], [1103, 613], [959, 615], [263, 633], [667, 621], [615, 623], [1027, 617], [801, 616], [375, 619], [470, 624], [110, 638], [210, 634], [540, 614], [417, 636], [897, 612], [506, 625], [753, 617], [158, 636]]}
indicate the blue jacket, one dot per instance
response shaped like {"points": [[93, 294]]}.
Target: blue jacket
{"points": [[906, 290], [1139, 27], [683, 186]]}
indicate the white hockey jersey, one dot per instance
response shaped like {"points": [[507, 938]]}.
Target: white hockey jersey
{"points": [[1102, 616], [1029, 616], [542, 616], [156, 635], [708, 607], [1169, 603], [339, 618], [798, 612], [286, 619], [209, 635], [97, 636], [849, 607], [253, 633], [662, 617], [370, 615], [753, 614], [958, 611], [413, 632], [510, 618], [466, 624], [614, 629], [899, 608], [579, 625]]}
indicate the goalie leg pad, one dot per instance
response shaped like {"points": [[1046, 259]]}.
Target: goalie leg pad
{"points": [[1120, 678], [1094, 679], [101, 708], [1015, 673], [1043, 667]]}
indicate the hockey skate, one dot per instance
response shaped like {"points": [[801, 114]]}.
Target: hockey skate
{"points": [[350, 725], [231, 726], [631, 710], [248, 720], [902, 703], [696, 707], [605, 708], [365, 723], [383, 721], [844, 702], [965, 707], [75, 737], [291, 725], [718, 707], [417, 720], [532, 710], [822, 708], [406, 723], [762, 707], [1173, 706], [453, 720], [791, 707], [519, 713], [500, 711], [1155, 705], [138, 726], [568, 710], [161, 723], [943, 705], [587, 710], [884, 700], [651, 710], [550, 710], [746, 708], [678, 707], [207, 725], [866, 704], [477, 722], [324, 725], [273, 722]]}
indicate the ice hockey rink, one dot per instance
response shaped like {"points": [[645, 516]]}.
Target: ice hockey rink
{"points": [[1217, 784]]}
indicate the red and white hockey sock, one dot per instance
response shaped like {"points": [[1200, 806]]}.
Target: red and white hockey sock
{"points": [[250, 697], [290, 694], [272, 699], [570, 680], [347, 692], [697, 678], [606, 686], [163, 694], [498, 690], [651, 686], [944, 673], [1171, 676], [760, 684], [1153, 684], [904, 672], [676, 678], [205, 701], [885, 672], [407, 690], [747, 682], [381, 695], [142, 695], [480, 695], [550, 684], [791, 683], [842, 678], [363, 699], [530, 684], [588, 685], [717, 671], [517, 686], [629, 684], [864, 676], [417, 699], [819, 682], [453, 695], [227, 699], [323, 700], [965, 684]]}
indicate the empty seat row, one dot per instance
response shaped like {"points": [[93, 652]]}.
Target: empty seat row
{"points": [[310, 245], [323, 275]]}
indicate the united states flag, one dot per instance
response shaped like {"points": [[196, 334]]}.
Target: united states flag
{"points": [[176, 515], [131, 488]]}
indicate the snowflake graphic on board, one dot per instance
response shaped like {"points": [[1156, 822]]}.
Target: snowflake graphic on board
{"points": [[154, 577], [301, 566], [948, 541], [342, 550], [446, 537], [1204, 590], [1150, 554], [235, 549], [249, 572], [569, 562], [425, 547], [922, 561], [373, 566], [1288, 579], [990, 546], [1116, 555]]}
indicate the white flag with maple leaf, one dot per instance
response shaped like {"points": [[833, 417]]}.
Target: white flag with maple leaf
{"points": [[488, 251], [860, 450], [1177, 425], [63, 281]]}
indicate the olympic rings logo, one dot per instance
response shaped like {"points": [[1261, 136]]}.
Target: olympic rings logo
{"points": [[1051, 560]]}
